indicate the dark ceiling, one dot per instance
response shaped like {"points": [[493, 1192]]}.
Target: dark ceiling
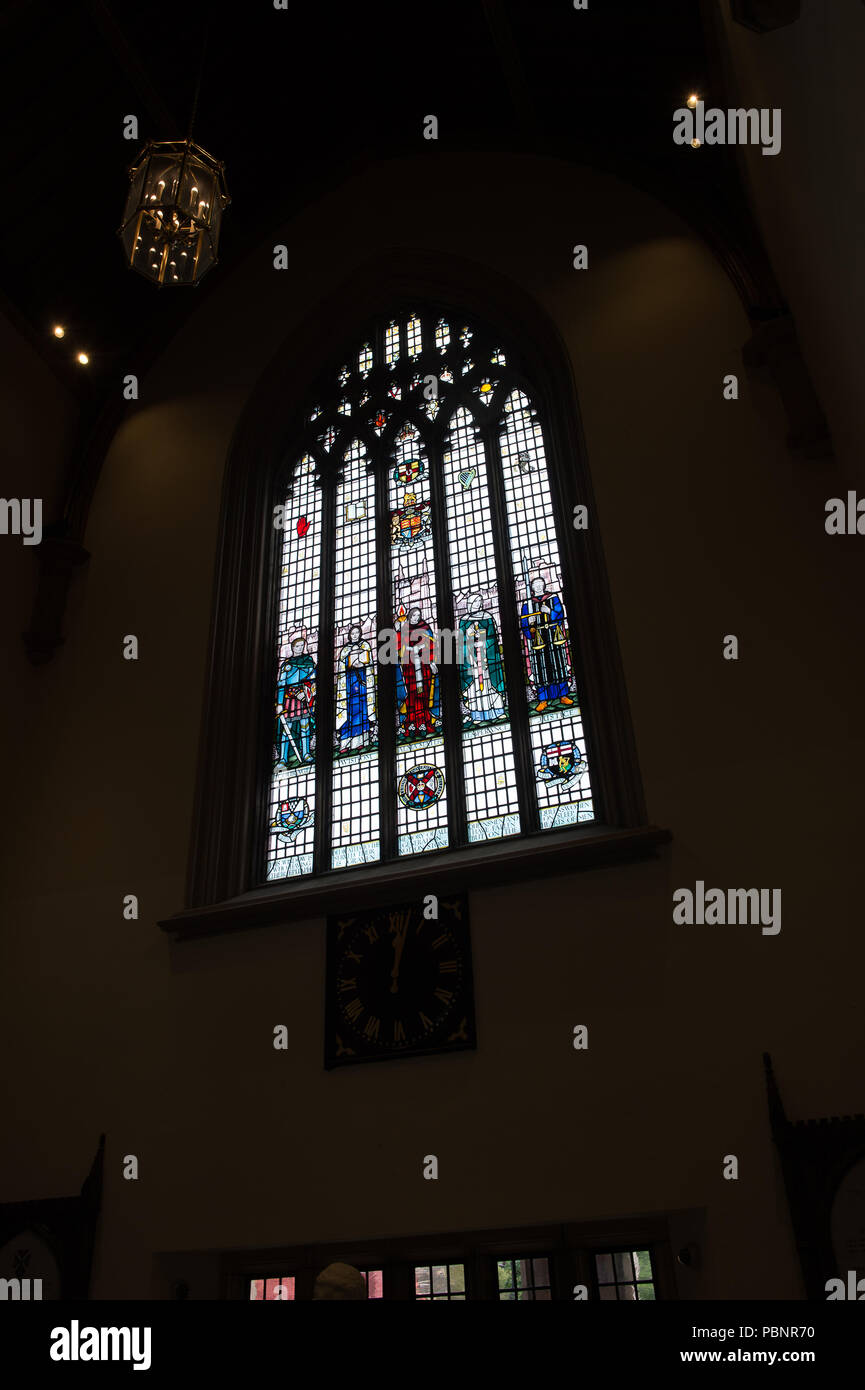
{"points": [[292, 100]]}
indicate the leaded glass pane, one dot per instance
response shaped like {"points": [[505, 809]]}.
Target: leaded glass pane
{"points": [[292, 793], [355, 822], [420, 763], [413, 336], [391, 344], [488, 758], [558, 741]]}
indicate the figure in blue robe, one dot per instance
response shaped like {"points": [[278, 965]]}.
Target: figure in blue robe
{"points": [[355, 692]]}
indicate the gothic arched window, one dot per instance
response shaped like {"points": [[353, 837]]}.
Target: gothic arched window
{"points": [[426, 678]]}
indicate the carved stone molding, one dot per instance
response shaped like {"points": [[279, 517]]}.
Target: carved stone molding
{"points": [[772, 356], [58, 557], [765, 15]]}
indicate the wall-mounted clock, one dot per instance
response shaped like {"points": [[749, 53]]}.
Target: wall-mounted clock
{"points": [[399, 983]]}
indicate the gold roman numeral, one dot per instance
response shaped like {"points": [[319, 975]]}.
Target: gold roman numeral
{"points": [[371, 932], [354, 1009], [371, 1027], [398, 1032], [427, 1022], [448, 967], [440, 940], [347, 984], [445, 995]]}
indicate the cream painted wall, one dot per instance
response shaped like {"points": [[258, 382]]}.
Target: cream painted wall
{"points": [[168, 1047], [809, 199], [37, 424]]}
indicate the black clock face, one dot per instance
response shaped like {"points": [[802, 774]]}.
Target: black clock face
{"points": [[399, 983]]}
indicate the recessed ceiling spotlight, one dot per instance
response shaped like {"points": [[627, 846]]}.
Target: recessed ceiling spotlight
{"points": [[82, 358], [59, 331], [693, 99]]}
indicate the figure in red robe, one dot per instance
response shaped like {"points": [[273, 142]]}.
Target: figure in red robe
{"points": [[417, 680]]}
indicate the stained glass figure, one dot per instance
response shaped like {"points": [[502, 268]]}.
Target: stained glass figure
{"points": [[417, 678], [355, 692], [482, 677], [443, 335], [543, 625], [295, 703]]}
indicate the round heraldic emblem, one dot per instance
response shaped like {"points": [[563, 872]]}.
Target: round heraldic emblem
{"points": [[421, 786], [291, 816]]}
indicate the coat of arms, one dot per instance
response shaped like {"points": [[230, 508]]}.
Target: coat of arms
{"points": [[411, 524], [561, 763]]}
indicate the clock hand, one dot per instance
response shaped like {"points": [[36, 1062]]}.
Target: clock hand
{"points": [[398, 943]]}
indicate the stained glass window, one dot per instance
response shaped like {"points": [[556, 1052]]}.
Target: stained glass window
{"points": [[425, 665]]}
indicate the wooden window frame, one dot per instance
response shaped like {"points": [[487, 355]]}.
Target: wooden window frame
{"points": [[570, 1248], [224, 891]]}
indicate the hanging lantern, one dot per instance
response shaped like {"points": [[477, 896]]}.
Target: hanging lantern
{"points": [[170, 231]]}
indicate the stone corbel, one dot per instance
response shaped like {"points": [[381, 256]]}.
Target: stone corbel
{"points": [[772, 356], [765, 15], [58, 557]]}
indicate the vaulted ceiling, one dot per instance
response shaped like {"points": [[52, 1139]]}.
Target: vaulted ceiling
{"points": [[291, 101]]}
